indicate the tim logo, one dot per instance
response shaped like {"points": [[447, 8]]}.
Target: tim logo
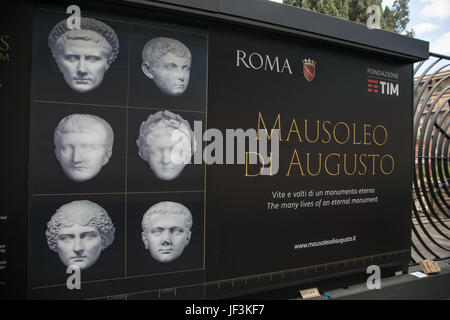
{"points": [[372, 85], [383, 87], [382, 82]]}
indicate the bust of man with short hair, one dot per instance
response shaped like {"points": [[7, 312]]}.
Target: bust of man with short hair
{"points": [[168, 63], [79, 231], [167, 143], [166, 230], [83, 56], [83, 145]]}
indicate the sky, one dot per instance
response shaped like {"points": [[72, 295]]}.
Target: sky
{"points": [[430, 20]]}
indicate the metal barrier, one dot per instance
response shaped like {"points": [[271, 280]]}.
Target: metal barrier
{"points": [[431, 194]]}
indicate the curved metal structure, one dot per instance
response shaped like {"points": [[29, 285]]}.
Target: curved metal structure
{"points": [[431, 184]]}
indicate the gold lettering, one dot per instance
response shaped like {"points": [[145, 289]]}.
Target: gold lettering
{"points": [[317, 131], [354, 135], [338, 165], [246, 164], [364, 165], [328, 132], [2, 39], [307, 165], [334, 132], [296, 130], [366, 134], [381, 164], [374, 156], [385, 135], [295, 154], [345, 165], [260, 119], [4, 57]]}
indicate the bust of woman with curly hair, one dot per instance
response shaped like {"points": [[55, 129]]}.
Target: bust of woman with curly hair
{"points": [[79, 231]]}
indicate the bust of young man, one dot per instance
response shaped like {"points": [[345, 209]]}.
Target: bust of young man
{"points": [[83, 145], [168, 63], [83, 55], [79, 231], [166, 230], [167, 143]]}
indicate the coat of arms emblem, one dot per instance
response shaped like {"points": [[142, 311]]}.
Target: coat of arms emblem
{"points": [[309, 69]]}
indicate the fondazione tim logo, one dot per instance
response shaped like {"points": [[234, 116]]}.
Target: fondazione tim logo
{"points": [[265, 62], [381, 82]]}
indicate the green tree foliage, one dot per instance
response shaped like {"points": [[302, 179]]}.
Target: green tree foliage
{"points": [[397, 18], [393, 19]]}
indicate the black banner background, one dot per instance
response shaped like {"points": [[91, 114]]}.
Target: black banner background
{"points": [[245, 246], [243, 237]]}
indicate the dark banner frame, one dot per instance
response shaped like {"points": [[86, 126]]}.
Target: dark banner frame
{"points": [[15, 91], [16, 192]]}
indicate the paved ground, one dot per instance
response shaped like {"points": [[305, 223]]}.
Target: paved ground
{"points": [[442, 239]]}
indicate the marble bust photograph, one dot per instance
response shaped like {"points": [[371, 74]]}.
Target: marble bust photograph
{"points": [[83, 55], [78, 232], [166, 141], [166, 230], [83, 145], [167, 62]]}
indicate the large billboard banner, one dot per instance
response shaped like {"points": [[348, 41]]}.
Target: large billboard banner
{"points": [[176, 161]]}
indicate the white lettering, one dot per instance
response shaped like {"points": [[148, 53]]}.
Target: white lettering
{"points": [[261, 61], [271, 66], [257, 61], [382, 83], [394, 89], [286, 65], [241, 58]]}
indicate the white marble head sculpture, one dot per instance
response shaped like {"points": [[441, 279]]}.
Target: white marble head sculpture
{"points": [[167, 143], [83, 145], [168, 63], [79, 231], [83, 55], [166, 230]]}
